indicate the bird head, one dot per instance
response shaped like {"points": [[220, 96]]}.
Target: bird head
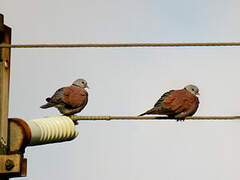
{"points": [[80, 83], [192, 89]]}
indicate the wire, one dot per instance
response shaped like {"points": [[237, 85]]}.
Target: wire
{"points": [[119, 45], [108, 118]]}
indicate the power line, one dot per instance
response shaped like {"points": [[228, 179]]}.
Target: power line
{"points": [[119, 45], [108, 118]]}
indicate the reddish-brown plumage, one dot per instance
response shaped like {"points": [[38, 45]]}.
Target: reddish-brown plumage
{"points": [[176, 103], [180, 101], [75, 96]]}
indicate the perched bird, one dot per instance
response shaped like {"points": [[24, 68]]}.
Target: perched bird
{"points": [[177, 103], [69, 100]]}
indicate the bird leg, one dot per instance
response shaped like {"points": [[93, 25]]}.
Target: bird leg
{"points": [[181, 116], [182, 119]]}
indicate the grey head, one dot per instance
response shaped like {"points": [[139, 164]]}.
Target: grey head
{"points": [[192, 89], [80, 83]]}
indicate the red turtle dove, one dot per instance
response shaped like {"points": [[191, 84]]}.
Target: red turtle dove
{"points": [[69, 100], [177, 103]]}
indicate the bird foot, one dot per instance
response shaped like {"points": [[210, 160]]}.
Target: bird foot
{"points": [[180, 120], [75, 122]]}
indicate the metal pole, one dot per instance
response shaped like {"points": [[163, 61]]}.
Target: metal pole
{"points": [[5, 37]]}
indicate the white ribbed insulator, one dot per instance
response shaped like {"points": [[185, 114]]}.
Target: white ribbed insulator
{"points": [[51, 130]]}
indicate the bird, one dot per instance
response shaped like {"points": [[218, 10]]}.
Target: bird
{"points": [[177, 104], [69, 100]]}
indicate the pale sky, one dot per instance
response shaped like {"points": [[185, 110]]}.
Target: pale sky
{"points": [[128, 81]]}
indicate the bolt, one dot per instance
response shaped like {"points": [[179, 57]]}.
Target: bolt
{"points": [[9, 164], [6, 64]]}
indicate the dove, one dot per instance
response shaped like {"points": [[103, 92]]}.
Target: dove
{"points": [[69, 100], [177, 103]]}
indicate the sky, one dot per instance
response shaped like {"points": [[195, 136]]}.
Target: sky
{"points": [[128, 81]]}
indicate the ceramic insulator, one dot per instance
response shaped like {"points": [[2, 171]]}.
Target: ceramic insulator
{"points": [[51, 130]]}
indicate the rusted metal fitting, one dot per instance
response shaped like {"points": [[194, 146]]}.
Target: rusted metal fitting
{"points": [[13, 165]]}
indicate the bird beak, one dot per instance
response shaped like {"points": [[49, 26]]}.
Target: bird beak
{"points": [[87, 87], [198, 94]]}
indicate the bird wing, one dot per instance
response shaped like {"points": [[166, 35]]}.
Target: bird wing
{"points": [[54, 100], [174, 103], [57, 97], [180, 101], [162, 98]]}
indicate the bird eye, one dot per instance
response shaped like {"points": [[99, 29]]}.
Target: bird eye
{"points": [[83, 82], [192, 89]]}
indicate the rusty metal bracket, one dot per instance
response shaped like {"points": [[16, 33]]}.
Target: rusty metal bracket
{"points": [[12, 165], [7, 161]]}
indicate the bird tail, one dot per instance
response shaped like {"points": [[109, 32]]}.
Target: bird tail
{"points": [[48, 105], [142, 114], [151, 111]]}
